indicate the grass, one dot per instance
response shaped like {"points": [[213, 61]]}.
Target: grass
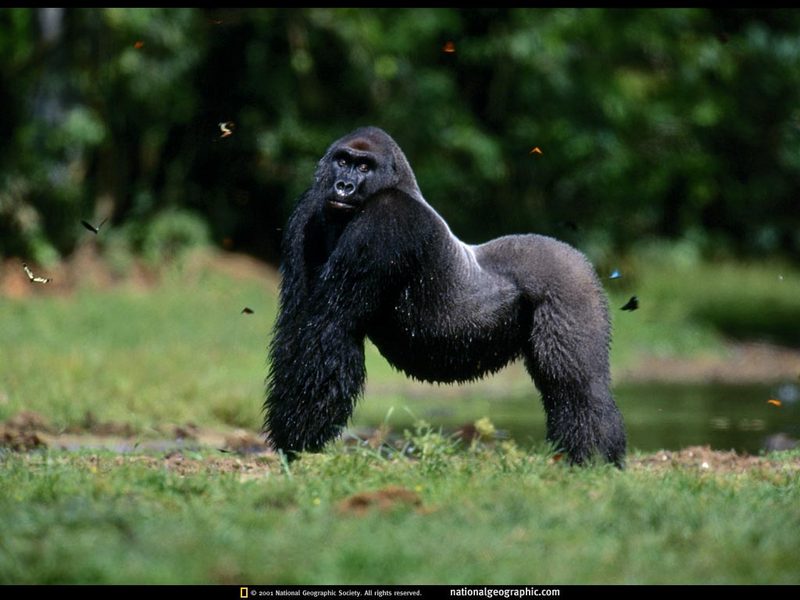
{"points": [[169, 354], [182, 352], [689, 307], [486, 515]]}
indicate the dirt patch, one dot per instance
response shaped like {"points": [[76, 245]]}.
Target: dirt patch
{"points": [[20, 441], [87, 268], [28, 430], [246, 452], [245, 442], [239, 266], [176, 461], [743, 363], [384, 499], [84, 268], [28, 420], [24, 431], [94, 426], [703, 458], [187, 431]]}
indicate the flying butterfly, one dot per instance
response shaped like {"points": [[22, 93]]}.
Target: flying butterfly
{"points": [[35, 278], [632, 304], [449, 47], [615, 274], [774, 402], [138, 44], [535, 150], [247, 310], [91, 227], [226, 127]]}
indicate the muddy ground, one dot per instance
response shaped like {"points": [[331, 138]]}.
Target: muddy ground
{"points": [[245, 452]]}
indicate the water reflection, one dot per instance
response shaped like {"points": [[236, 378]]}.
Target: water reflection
{"points": [[723, 416]]}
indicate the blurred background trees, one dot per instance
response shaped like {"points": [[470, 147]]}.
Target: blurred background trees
{"points": [[681, 124]]}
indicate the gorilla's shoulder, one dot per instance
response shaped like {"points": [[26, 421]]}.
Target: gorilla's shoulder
{"points": [[398, 209]]}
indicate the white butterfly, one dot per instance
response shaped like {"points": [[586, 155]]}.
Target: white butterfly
{"points": [[34, 278], [226, 127]]}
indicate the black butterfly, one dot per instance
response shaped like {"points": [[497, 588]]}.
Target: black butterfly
{"points": [[91, 227], [247, 311], [33, 277], [632, 304]]}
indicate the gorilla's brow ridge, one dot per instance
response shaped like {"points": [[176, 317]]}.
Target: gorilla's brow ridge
{"points": [[360, 144]]}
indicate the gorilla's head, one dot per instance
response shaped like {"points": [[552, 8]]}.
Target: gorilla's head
{"points": [[361, 164]]}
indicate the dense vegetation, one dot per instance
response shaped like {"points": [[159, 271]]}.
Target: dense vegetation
{"points": [[676, 123]]}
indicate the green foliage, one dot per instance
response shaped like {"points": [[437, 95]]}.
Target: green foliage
{"points": [[669, 123], [171, 234], [430, 446]]}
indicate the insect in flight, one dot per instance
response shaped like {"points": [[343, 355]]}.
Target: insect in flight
{"points": [[632, 304], [535, 150], [91, 227], [226, 127], [615, 274], [247, 311], [35, 278]]}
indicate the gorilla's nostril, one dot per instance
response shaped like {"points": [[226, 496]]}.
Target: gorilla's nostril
{"points": [[344, 188]]}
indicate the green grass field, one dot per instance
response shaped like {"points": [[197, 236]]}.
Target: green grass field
{"points": [[486, 516], [182, 352]]}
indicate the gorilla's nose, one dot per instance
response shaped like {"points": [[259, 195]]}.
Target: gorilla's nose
{"points": [[344, 188]]}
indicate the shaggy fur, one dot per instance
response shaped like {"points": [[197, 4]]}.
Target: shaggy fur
{"points": [[364, 255]]}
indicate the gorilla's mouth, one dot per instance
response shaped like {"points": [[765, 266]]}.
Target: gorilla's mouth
{"points": [[339, 205]]}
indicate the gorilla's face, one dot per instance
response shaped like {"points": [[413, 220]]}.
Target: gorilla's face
{"points": [[353, 173], [355, 168]]}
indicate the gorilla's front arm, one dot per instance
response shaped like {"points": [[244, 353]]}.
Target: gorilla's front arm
{"points": [[331, 287]]}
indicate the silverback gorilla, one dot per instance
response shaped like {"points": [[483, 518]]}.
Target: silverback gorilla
{"points": [[364, 255]]}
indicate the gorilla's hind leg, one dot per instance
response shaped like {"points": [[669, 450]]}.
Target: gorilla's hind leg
{"points": [[568, 360]]}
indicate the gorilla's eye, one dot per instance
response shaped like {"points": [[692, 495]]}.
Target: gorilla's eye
{"points": [[341, 162], [363, 167]]}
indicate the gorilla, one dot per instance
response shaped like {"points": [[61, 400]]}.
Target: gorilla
{"points": [[364, 255]]}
